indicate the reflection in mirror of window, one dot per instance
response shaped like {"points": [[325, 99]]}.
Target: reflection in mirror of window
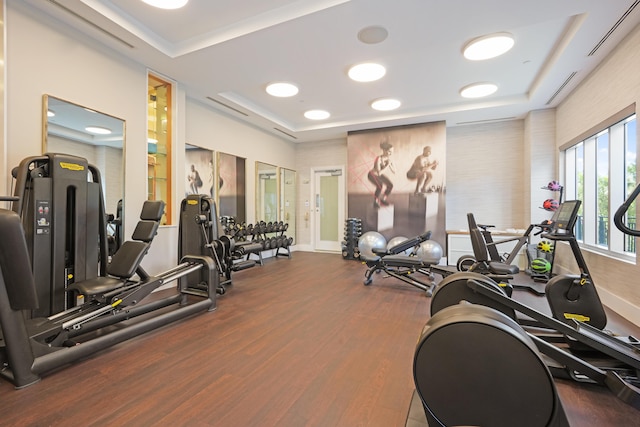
{"points": [[159, 120], [267, 182]]}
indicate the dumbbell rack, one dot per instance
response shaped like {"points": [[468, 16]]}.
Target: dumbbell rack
{"points": [[352, 232]]}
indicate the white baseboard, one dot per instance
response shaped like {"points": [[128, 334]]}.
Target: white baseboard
{"points": [[623, 308]]}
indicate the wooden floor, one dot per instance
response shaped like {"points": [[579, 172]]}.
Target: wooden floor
{"points": [[296, 342]]}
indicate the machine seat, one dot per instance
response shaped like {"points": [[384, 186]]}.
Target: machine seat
{"points": [[98, 286], [403, 261], [502, 268], [127, 259]]}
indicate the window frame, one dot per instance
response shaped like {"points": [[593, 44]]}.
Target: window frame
{"points": [[581, 155]]}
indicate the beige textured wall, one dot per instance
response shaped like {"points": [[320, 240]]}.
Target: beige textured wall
{"points": [[614, 85], [485, 174], [540, 163]]}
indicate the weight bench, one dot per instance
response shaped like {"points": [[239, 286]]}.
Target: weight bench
{"points": [[126, 261], [393, 262]]}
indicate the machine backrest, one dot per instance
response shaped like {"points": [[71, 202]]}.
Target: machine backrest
{"points": [[15, 263], [127, 259], [477, 240]]}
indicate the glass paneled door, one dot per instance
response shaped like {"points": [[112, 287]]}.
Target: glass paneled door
{"points": [[329, 209]]}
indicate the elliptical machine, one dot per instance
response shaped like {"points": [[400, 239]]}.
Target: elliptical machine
{"points": [[573, 296]]}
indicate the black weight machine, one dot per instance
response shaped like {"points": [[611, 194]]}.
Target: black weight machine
{"points": [[396, 264], [199, 228], [104, 307]]}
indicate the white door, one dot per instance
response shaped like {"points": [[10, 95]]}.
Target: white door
{"points": [[329, 209]]}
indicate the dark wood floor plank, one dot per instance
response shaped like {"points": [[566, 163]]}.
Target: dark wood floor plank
{"points": [[296, 342]]}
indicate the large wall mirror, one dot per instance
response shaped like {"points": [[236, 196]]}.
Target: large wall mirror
{"points": [[81, 131], [288, 200], [231, 187], [266, 192]]}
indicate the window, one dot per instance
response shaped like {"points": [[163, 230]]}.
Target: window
{"points": [[600, 170]]}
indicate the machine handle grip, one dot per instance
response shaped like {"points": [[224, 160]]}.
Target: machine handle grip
{"points": [[618, 218]]}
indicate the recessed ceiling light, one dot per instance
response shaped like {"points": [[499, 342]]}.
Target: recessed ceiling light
{"points": [[282, 90], [385, 104], [367, 72], [51, 113], [317, 114], [166, 4], [478, 90], [98, 130], [489, 46], [373, 35]]}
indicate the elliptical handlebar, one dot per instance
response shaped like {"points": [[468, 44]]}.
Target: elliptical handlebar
{"points": [[618, 218]]}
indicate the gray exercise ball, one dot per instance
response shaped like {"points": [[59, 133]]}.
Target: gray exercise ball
{"points": [[430, 252], [369, 241], [396, 241]]}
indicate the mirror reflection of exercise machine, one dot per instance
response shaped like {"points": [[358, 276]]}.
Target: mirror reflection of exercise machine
{"points": [[30, 347]]}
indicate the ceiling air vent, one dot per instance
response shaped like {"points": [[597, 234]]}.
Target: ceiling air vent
{"points": [[91, 24], [562, 86], [227, 106], [475, 122], [615, 27], [288, 134]]}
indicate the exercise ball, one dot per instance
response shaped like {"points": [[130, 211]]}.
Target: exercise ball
{"points": [[396, 241], [540, 265], [554, 186], [550, 205], [545, 246], [369, 241], [430, 252]]}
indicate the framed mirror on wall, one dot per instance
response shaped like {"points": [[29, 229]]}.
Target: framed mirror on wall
{"points": [[231, 195], [267, 187], [200, 171], [288, 200], [78, 130]]}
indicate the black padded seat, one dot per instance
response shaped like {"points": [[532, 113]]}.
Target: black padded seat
{"points": [[502, 268], [403, 261], [127, 259], [97, 286]]}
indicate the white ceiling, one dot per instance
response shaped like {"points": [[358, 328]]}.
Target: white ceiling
{"points": [[225, 52]]}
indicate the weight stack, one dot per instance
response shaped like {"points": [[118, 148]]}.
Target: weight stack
{"points": [[352, 232]]}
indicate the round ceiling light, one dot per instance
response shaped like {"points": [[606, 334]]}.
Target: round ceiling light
{"points": [[385, 104], [166, 4], [317, 114], [487, 47], [367, 72], [373, 35], [478, 90], [98, 130], [282, 90]]}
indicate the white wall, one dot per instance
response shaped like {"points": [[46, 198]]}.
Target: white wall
{"points": [[209, 129], [43, 57]]}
